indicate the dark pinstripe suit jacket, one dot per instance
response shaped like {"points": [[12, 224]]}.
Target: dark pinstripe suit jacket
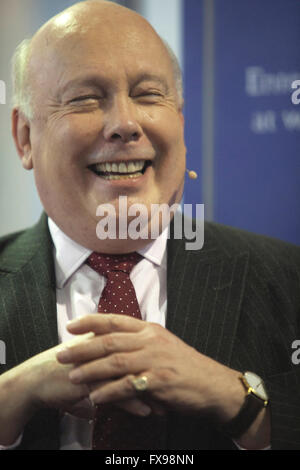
{"points": [[237, 300]]}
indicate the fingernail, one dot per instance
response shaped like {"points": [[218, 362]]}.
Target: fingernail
{"points": [[145, 410], [63, 354], [92, 402], [80, 339], [93, 397], [74, 322], [75, 375]]}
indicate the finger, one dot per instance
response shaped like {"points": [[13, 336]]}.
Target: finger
{"points": [[84, 338], [135, 406], [110, 367], [82, 409], [104, 324], [115, 391], [157, 408], [98, 347], [140, 406]]}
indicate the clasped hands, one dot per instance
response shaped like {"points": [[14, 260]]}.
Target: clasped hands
{"points": [[100, 362], [123, 348]]}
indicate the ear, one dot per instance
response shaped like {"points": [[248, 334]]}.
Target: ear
{"points": [[21, 135], [181, 118], [180, 111]]}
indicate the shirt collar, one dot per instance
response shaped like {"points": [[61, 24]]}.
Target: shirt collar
{"points": [[69, 255]]}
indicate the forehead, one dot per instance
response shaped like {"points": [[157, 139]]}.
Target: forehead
{"points": [[109, 49]]}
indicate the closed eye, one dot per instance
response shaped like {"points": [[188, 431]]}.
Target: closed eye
{"points": [[149, 93], [148, 96], [85, 98]]}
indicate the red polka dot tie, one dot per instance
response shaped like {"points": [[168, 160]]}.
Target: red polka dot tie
{"points": [[115, 429], [118, 295]]}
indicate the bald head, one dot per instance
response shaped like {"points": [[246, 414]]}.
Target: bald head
{"points": [[85, 16], [67, 29]]}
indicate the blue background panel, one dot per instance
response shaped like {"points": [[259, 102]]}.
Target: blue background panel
{"points": [[193, 50], [255, 158], [257, 171]]}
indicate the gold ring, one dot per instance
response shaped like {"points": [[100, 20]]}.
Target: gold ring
{"points": [[140, 383]]}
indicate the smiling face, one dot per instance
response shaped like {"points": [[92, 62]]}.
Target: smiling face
{"points": [[107, 122]]}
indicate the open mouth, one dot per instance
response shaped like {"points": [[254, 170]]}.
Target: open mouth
{"points": [[121, 170]]}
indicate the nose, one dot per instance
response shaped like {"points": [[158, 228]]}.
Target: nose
{"points": [[121, 122]]}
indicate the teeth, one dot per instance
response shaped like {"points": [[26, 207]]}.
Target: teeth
{"points": [[131, 167], [128, 167], [123, 168], [120, 177]]}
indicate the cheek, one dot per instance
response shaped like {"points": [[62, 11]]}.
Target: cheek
{"points": [[66, 139], [76, 135], [173, 161], [59, 151], [172, 147], [169, 133]]}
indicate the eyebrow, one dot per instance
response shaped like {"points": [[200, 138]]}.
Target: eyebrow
{"points": [[150, 77], [90, 80], [98, 81]]}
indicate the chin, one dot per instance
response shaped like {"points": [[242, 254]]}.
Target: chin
{"points": [[119, 246], [96, 240]]}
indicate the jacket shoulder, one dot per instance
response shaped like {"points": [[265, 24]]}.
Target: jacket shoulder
{"points": [[17, 248], [9, 245], [233, 240], [7, 240]]}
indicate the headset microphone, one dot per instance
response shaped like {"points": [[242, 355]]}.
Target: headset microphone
{"points": [[192, 174]]}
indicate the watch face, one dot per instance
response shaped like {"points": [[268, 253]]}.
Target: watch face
{"points": [[257, 384]]}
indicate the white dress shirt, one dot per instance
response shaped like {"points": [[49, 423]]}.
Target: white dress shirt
{"points": [[78, 290]]}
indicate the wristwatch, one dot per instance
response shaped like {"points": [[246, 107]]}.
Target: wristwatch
{"points": [[256, 399]]}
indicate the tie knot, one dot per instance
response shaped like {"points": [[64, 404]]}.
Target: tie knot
{"points": [[104, 264]]}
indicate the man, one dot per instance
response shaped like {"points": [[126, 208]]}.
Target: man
{"points": [[99, 116]]}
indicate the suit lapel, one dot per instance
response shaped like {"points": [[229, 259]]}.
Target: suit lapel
{"points": [[28, 294], [205, 292]]}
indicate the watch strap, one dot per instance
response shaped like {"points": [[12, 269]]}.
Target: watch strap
{"points": [[237, 426]]}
